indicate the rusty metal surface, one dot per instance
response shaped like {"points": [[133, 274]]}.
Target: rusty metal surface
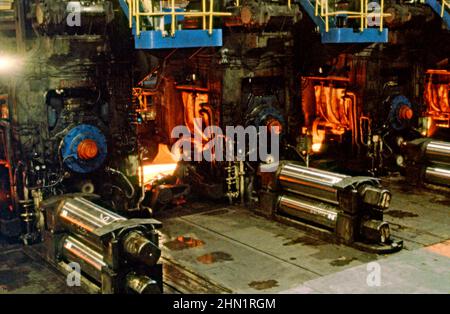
{"points": [[19, 273]]}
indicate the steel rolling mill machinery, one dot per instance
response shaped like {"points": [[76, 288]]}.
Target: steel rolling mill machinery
{"points": [[91, 91]]}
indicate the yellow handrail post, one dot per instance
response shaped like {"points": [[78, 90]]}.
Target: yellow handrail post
{"points": [[361, 3], [289, 4], [211, 10], [130, 12], [381, 15], [137, 13], [173, 19], [443, 7], [366, 12], [316, 9], [204, 12], [327, 27], [151, 11]]}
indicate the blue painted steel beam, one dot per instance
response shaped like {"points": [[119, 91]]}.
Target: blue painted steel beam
{"points": [[309, 8], [191, 38], [437, 7]]}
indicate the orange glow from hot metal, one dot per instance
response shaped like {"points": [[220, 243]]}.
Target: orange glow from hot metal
{"points": [[316, 147], [153, 171], [162, 165]]}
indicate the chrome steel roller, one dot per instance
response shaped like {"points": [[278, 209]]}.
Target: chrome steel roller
{"points": [[310, 182], [306, 209], [80, 213], [437, 175], [90, 261], [438, 152]]}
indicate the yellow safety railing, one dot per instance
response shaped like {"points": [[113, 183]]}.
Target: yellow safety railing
{"points": [[134, 12], [6, 5], [323, 10], [445, 4]]}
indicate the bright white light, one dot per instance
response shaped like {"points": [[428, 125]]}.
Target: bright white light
{"points": [[154, 170], [9, 65], [316, 147]]}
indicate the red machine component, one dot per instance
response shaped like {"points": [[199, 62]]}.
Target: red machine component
{"points": [[329, 109], [405, 113], [87, 149], [436, 98]]}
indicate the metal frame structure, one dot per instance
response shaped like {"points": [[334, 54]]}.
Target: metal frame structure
{"points": [[441, 8], [319, 11], [157, 39]]}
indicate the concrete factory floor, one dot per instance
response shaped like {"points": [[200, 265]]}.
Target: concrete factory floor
{"points": [[216, 249]]}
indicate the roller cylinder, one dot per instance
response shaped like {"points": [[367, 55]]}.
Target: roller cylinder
{"points": [[438, 152], [80, 214], [310, 182], [436, 175], [142, 284], [90, 261], [138, 247], [309, 210]]}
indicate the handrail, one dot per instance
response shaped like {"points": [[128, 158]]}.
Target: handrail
{"points": [[321, 8], [6, 5], [445, 3], [135, 12]]}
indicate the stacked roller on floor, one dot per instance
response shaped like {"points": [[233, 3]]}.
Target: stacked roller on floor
{"points": [[112, 253], [428, 161], [350, 208]]}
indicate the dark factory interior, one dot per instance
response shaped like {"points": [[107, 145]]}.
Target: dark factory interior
{"points": [[224, 146]]}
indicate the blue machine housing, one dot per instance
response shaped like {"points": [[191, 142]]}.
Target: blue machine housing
{"points": [[261, 113], [70, 146]]}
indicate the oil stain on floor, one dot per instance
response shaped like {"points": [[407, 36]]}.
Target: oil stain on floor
{"points": [[181, 243], [263, 285], [214, 257], [306, 241], [400, 214], [342, 261]]}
